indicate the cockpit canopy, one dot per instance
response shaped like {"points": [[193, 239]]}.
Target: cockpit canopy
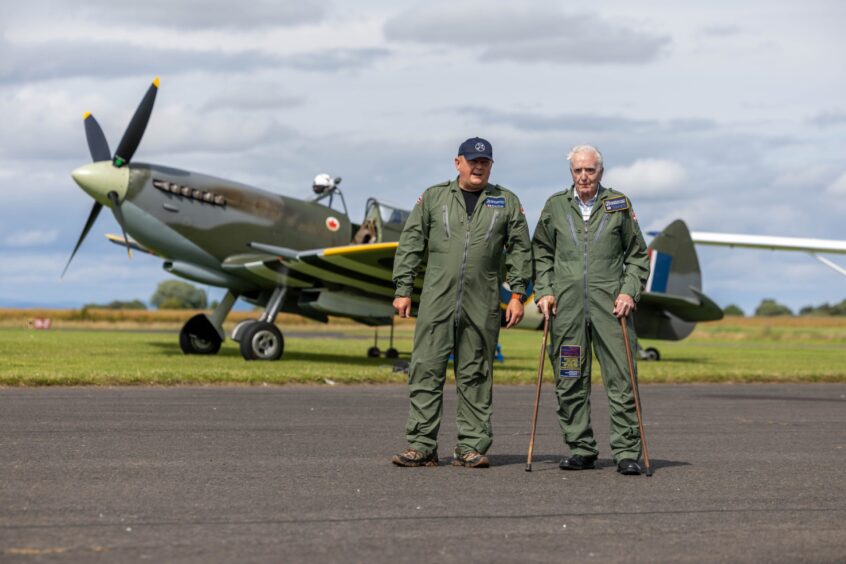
{"points": [[383, 223]]}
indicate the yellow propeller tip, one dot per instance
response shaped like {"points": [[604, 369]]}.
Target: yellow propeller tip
{"points": [[85, 115], [156, 82]]}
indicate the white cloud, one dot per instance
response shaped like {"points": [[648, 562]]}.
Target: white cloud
{"points": [[838, 187], [31, 238], [527, 33], [264, 95], [184, 14], [647, 177]]}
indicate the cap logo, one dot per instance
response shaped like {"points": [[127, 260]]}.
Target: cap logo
{"points": [[480, 147]]}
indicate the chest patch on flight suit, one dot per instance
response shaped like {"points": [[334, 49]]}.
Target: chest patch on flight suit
{"points": [[619, 203], [495, 202], [571, 361]]}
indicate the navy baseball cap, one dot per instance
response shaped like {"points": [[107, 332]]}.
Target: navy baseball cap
{"points": [[476, 148]]}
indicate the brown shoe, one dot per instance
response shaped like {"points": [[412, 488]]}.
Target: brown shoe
{"points": [[470, 459], [411, 458]]}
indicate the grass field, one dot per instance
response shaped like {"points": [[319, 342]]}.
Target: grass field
{"points": [[144, 350]]}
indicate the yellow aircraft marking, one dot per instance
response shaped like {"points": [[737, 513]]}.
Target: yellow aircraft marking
{"points": [[350, 249], [156, 82], [85, 116]]}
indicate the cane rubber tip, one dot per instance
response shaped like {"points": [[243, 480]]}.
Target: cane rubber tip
{"points": [[649, 472], [528, 467]]}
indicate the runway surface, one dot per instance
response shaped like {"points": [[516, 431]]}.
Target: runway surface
{"points": [[302, 474]]}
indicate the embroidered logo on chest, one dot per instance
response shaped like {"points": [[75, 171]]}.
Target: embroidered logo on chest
{"points": [[495, 202]]}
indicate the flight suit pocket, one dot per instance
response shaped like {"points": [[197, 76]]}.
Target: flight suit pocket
{"points": [[492, 225]]}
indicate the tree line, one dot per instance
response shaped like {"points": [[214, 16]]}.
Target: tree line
{"points": [[175, 294], [771, 308]]}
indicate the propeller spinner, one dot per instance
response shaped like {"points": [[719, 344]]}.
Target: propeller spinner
{"points": [[107, 178]]}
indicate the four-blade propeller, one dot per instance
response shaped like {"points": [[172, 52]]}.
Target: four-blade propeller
{"points": [[93, 181]]}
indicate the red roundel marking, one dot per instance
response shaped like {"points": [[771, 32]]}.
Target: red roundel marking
{"points": [[332, 224]]}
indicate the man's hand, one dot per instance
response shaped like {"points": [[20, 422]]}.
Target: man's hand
{"points": [[513, 313], [546, 305], [403, 306], [623, 305]]}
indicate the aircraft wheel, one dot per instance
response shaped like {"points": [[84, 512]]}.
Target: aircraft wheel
{"points": [[198, 336], [238, 330], [374, 352], [652, 354], [262, 341], [392, 353]]}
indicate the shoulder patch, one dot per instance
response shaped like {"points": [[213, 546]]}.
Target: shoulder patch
{"points": [[616, 204], [419, 200]]}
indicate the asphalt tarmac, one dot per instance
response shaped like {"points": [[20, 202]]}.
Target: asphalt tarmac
{"points": [[751, 473]]}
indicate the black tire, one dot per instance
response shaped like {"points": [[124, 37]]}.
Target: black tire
{"points": [[262, 341], [652, 354], [392, 353], [374, 352], [198, 336], [238, 330]]}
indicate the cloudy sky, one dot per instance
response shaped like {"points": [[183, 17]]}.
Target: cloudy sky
{"points": [[728, 114]]}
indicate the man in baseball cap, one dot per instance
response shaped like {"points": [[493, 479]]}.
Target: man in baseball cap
{"points": [[466, 225]]}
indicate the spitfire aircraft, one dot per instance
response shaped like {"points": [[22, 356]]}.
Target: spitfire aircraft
{"points": [[306, 256]]}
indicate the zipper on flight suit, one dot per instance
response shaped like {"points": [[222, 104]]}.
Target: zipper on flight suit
{"points": [[464, 261], [446, 221], [585, 253], [587, 257]]}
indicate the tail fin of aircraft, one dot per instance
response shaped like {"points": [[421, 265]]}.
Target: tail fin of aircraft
{"points": [[673, 264], [672, 302]]}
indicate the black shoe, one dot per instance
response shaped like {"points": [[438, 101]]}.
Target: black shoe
{"points": [[578, 462], [411, 458], [628, 467]]}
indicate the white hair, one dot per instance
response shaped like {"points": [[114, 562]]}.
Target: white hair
{"points": [[585, 149]]}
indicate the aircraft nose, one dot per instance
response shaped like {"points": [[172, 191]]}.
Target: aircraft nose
{"points": [[100, 178]]}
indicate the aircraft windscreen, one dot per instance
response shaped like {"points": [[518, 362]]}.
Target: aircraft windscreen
{"points": [[392, 215]]}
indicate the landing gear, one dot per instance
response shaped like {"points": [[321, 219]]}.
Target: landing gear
{"points": [[203, 334], [650, 354], [262, 340], [375, 352], [199, 336]]}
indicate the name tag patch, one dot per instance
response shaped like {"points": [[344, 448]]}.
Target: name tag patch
{"points": [[571, 361], [619, 203], [495, 202]]}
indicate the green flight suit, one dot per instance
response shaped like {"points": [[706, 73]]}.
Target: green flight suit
{"points": [[586, 265], [459, 311]]}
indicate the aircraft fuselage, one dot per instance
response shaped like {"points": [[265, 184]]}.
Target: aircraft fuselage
{"points": [[221, 217]]}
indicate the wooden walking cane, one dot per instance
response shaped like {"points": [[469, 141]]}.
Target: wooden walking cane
{"points": [[636, 393], [537, 395]]}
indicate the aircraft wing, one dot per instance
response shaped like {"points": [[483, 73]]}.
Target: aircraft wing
{"points": [[812, 246], [769, 242], [352, 280]]}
